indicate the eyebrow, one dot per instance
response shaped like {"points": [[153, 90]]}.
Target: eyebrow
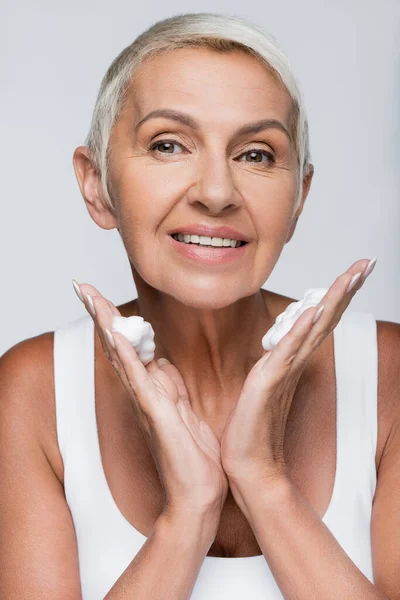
{"points": [[185, 119]]}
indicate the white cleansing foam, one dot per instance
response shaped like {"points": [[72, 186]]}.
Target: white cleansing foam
{"points": [[139, 333], [285, 321]]}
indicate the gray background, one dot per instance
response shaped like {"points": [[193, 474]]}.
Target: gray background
{"points": [[345, 55]]}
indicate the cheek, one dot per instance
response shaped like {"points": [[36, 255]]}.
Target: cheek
{"points": [[271, 206], [143, 199]]}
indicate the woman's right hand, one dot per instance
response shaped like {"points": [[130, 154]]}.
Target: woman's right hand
{"points": [[187, 454]]}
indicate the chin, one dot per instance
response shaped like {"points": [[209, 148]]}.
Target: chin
{"points": [[210, 298], [203, 292]]}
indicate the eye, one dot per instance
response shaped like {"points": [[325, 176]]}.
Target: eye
{"points": [[167, 143], [254, 153]]}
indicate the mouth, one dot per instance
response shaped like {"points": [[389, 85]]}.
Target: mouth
{"points": [[206, 241], [205, 250]]}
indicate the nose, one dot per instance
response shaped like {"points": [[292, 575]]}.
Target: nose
{"points": [[214, 190]]}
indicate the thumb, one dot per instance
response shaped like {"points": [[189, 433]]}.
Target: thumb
{"points": [[176, 377]]}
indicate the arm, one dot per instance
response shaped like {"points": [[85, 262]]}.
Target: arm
{"points": [[305, 558], [167, 565], [38, 549], [385, 526]]}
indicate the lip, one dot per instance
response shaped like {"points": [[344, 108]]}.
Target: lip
{"points": [[206, 255], [222, 231]]}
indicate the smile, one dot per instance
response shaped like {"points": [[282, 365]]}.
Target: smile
{"points": [[209, 251], [211, 242]]}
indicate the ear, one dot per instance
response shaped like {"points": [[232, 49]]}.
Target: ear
{"points": [[306, 188], [89, 181]]}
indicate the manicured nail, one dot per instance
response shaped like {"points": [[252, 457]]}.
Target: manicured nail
{"points": [[369, 268], [353, 282], [163, 361], [78, 291], [318, 314], [91, 305], [110, 338]]}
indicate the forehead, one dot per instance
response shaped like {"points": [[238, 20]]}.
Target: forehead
{"points": [[212, 86]]}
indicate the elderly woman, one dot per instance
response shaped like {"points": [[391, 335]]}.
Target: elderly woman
{"points": [[215, 469]]}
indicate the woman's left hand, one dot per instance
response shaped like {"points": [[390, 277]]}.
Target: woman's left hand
{"points": [[252, 441]]}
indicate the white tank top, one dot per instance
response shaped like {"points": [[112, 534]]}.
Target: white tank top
{"points": [[107, 542]]}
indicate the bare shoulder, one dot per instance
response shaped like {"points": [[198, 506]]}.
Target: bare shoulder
{"points": [[38, 545], [388, 341], [26, 369], [388, 335], [385, 521]]}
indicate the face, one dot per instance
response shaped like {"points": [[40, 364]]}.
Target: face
{"points": [[167, 173]]}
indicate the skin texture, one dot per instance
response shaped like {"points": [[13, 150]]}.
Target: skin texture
{"points": [[194, 311], [205, 178]]}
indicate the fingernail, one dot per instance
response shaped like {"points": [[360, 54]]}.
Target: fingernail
{"points": [[353, 282], [369, 268], [91, 305], [318, 313], [110, 338], [78, 291], [163, 361]]}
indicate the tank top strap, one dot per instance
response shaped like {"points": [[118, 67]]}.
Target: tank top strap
{"points": [[74, 385], [356, 366]]}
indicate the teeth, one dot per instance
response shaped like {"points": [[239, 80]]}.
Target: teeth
{"points": [[204, 240]]}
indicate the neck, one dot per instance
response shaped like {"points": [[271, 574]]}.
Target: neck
{"points": [[214, 350]]}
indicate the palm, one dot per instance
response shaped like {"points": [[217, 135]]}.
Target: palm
{"points": [[169, 384], [234, 441]]}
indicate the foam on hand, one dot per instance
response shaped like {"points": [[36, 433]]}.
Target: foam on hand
{"points": [[139, 333], [285, 321]]}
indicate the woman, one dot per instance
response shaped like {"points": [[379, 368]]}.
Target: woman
{"points": [[226, 472]]}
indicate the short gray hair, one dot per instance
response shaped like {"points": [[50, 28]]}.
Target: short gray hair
{"points": [[221, 33]]}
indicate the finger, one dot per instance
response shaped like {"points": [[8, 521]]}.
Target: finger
{"points": [[102, 321], [335, 301], [86, 293], [139, 380], [182, 402], [125, 361], [339, 289], [202, 434], [188, 418], [295, 348], [174, 374], [135, 378], [279, 361], [85, 289], [102, 318], [102, 311]]}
